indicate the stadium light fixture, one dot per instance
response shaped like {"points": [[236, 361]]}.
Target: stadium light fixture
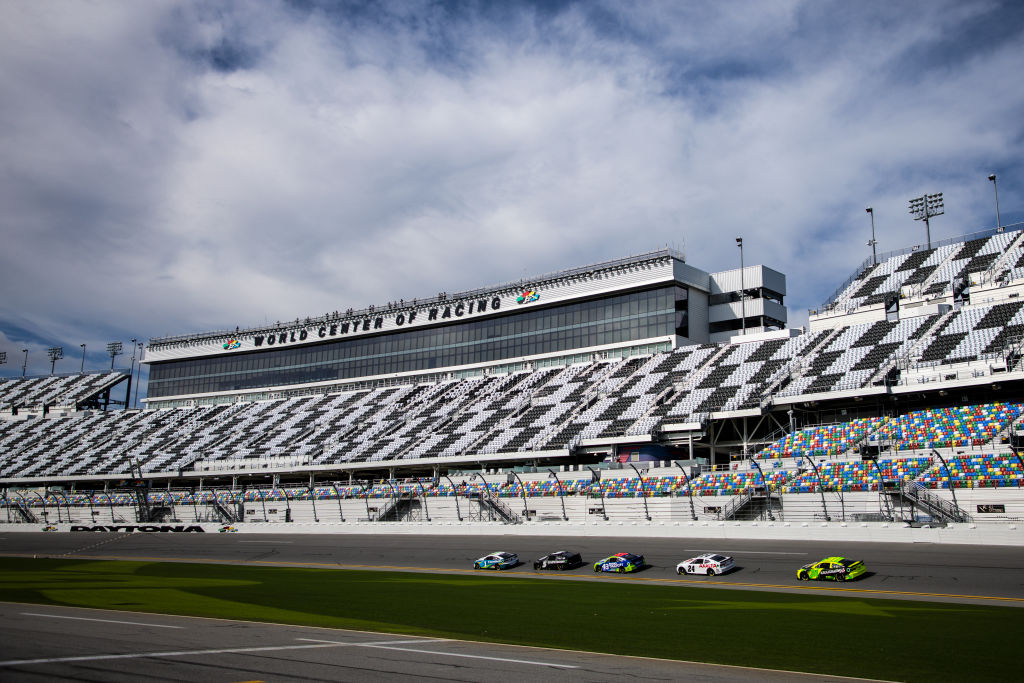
{"points": [[743, 290], [925, 207], [24, 365], [3, 358], [873, 242], [995, 186], [81, 370], [113, 350], [55, 353]]}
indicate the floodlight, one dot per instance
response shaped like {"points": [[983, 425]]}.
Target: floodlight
{"points": [[55, 353], [925, 207], [113, 350]]}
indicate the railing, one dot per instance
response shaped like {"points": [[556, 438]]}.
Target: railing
{"points": [[928, 501], [735, 505], [899, 252], [499, 506]]}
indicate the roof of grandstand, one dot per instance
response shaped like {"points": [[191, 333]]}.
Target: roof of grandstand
{"points": [[538, 280]]}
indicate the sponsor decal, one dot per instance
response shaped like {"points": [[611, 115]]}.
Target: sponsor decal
{"points": [[527, 296], [232, 344], [144, 528]]}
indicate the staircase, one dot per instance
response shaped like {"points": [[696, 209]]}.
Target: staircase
{"points": [[920, 498], [492, 504], [225, 513]]}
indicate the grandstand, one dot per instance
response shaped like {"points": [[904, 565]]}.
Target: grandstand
{"points": [[620, 390]]}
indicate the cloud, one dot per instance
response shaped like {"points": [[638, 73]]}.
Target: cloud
{"points": [[180, 166]]}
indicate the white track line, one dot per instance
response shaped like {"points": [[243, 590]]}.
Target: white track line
{"points": [[449, 654], [105, 621], [191, 653]]}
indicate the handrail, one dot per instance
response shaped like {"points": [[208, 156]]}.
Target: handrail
{"points": [[989, 232]]}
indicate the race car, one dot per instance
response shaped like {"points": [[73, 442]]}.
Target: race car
{"points": [[708, 563], [831, 569], [560, 559], [228, 529], [621, 563], [498, 560]]}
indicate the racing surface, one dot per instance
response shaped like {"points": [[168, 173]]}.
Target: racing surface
{"points": [[46, 643], [954, 573]]}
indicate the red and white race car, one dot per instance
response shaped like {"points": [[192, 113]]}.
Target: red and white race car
{"points": [[708, 563]]}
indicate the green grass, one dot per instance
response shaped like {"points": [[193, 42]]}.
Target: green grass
{"points": [[892, 639]]}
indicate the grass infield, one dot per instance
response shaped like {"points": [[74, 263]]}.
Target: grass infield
{"points": [[875, 638]]}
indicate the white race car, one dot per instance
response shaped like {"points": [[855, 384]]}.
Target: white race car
{"points": [[708, 563]]}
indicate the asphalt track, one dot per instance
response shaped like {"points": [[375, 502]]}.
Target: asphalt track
{"points": [[44, 643], [58, 643], [933, 572]]}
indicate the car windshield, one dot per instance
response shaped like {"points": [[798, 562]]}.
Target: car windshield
{"points": [[718, 558], [503, 556], [849, 563]]}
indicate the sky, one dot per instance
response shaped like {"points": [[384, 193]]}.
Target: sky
{"points": [[172, 166]]}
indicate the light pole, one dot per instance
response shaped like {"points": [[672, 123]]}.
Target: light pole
{"points": [[55, 353], [138, 378], [81, 370], [24, 365], [743, 290], [995, 186], [924, 207], [113, 350], [873, 242], [131, 372]]}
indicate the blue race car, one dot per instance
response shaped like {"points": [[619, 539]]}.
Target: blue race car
{"points": [[621, 563], [497, 561]]}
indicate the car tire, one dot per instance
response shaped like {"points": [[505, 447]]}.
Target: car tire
{"points": [[679, 571], [711, 572], [802, 577]]}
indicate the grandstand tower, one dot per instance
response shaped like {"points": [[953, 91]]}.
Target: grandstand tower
{"points": [[639, 305]]}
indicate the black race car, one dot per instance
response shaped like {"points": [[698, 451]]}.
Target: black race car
{"points": [[560, 559]]}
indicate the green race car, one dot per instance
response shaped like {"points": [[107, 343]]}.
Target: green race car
{"points": [[831, 569]]}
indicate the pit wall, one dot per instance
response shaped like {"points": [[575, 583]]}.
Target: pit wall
{"points": [[965, 534], [801, 519]]}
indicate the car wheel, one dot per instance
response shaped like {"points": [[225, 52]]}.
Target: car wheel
{"points": [[802, 577], [711, 572], [679, 571]]}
